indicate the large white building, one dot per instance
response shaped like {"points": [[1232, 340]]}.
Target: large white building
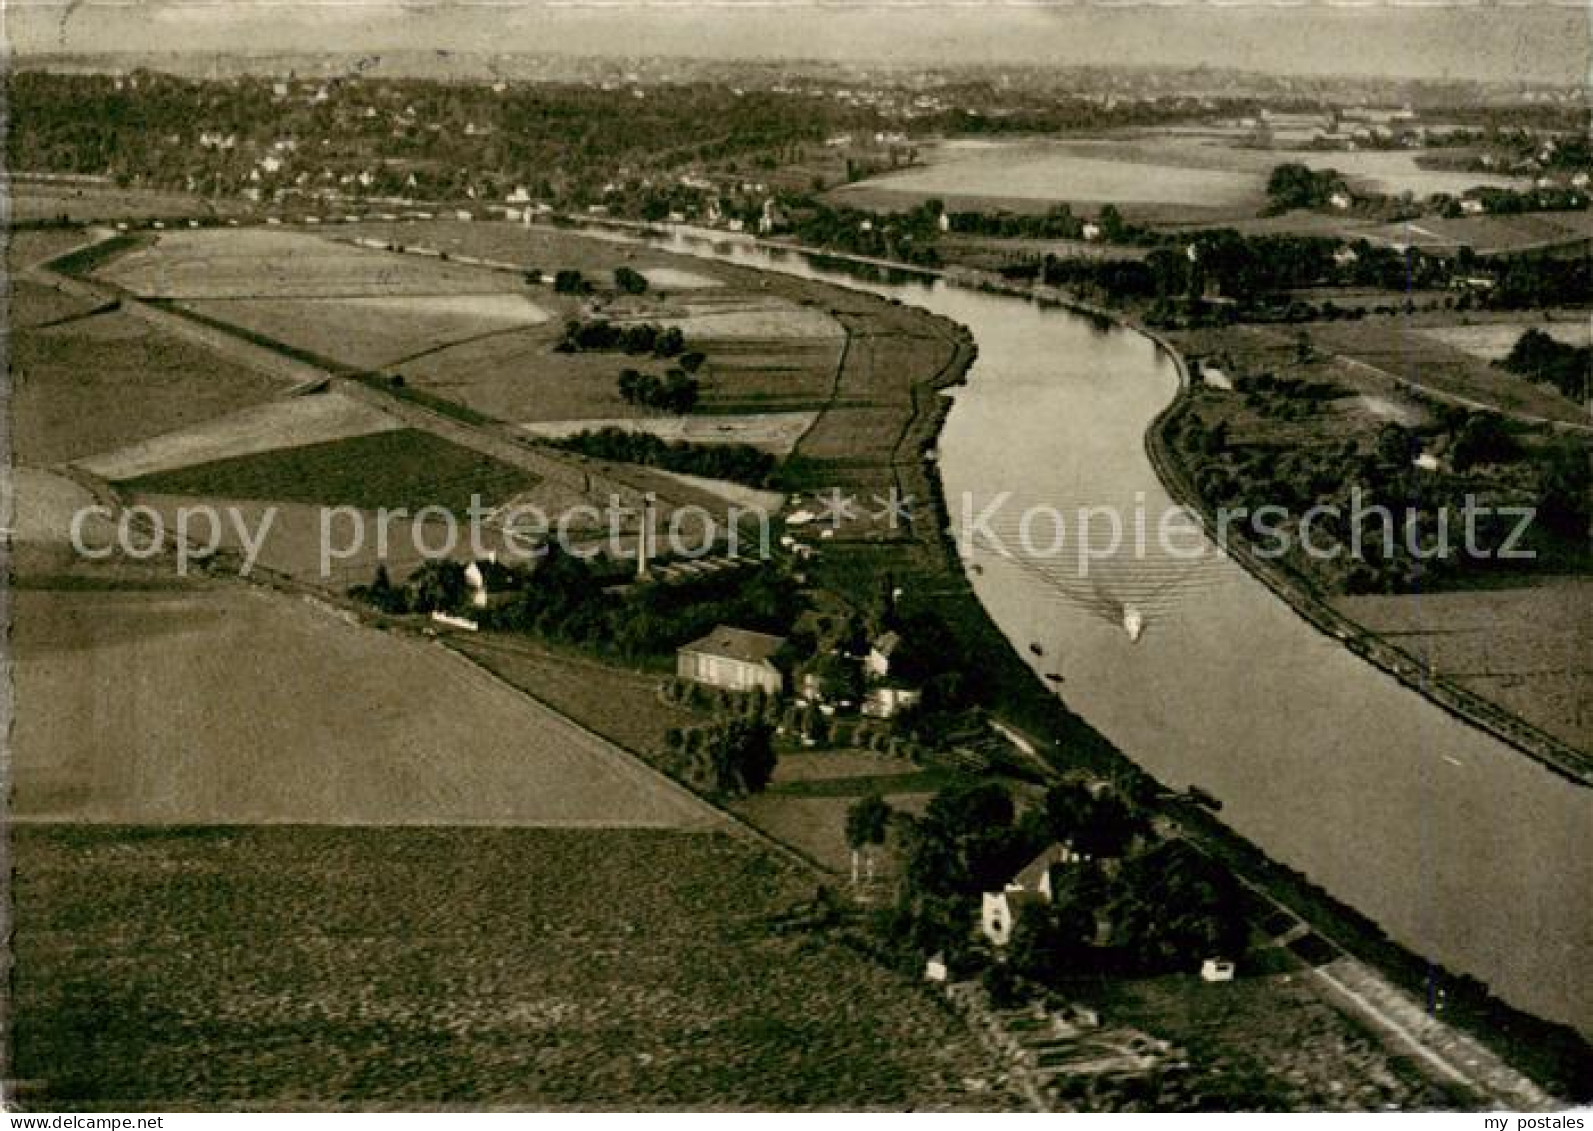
{"points": [[733, 658]]}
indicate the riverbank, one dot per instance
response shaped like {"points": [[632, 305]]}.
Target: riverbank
{"points": [[1299, 595], [1552, 1054], [928, 566]]}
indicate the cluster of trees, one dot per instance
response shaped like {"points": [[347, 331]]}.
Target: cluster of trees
{"points": [[637, 338], [629, 281], [739, 463], [1538, 282], [908, 237], [1483, 460], [1132, 904], [575, 600], [731, 757], [1540, 357], [569, 281], [1505, 202], [677, 391], [1292, 185]]}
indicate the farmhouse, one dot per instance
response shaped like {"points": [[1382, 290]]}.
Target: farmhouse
{"points": [[999, 910], [733, 658]]}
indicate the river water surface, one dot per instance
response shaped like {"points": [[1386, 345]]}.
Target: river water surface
{"points": [[1462, 848]]}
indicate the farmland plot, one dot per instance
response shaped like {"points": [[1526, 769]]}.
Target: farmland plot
{"points": [[224, 705], [1415, 355], [282, 967], [376, 331], [276, 264], [262, 428], [1525, 648], [104, 382], [1158, 170], [1493, 341], [403, 468]]}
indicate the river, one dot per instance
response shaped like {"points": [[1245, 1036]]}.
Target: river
{"points": [[1462, 848]]}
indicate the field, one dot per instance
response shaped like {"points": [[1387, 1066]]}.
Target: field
{"points": [[620, 704], [220, 705], [1493, 341], [805, 806], [1153, 175], [273, 264], [1412, 352], [82, 200], [263, 428], [1082, 172], [1523, 648], [457, 329], [1383, 358], [374, 332], [273, 968], [1487, 235], [403, 468], [110, 380], [547, 249]]}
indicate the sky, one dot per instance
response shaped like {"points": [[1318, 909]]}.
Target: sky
{"points": [[1538, 40]]}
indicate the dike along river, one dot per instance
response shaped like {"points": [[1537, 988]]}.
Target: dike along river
{"points": [[1463, 849]]}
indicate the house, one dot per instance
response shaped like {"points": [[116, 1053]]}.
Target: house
{"points": [[999, 910], [733, 658], [1341, 200], [1216, 970], [878, 663], [1471, 206], [1215, 378], [887, 702], [489, 583]]}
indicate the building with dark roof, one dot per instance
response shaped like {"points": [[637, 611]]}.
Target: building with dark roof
{"points": [[733, 658]]}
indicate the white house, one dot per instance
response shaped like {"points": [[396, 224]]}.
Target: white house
{"points": [[733, 658], [1473, 207], [1216, 970], [1215, 378], [878, 663], [489, 583], [887, 702], [999, 910]]}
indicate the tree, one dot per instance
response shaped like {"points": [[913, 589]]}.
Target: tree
{"points": [[1048, 940], [1564, 487], [438, 586], [630, 281], [839, 677], [570, 282], [734, 757], [867, 822], [1483, 438]]}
